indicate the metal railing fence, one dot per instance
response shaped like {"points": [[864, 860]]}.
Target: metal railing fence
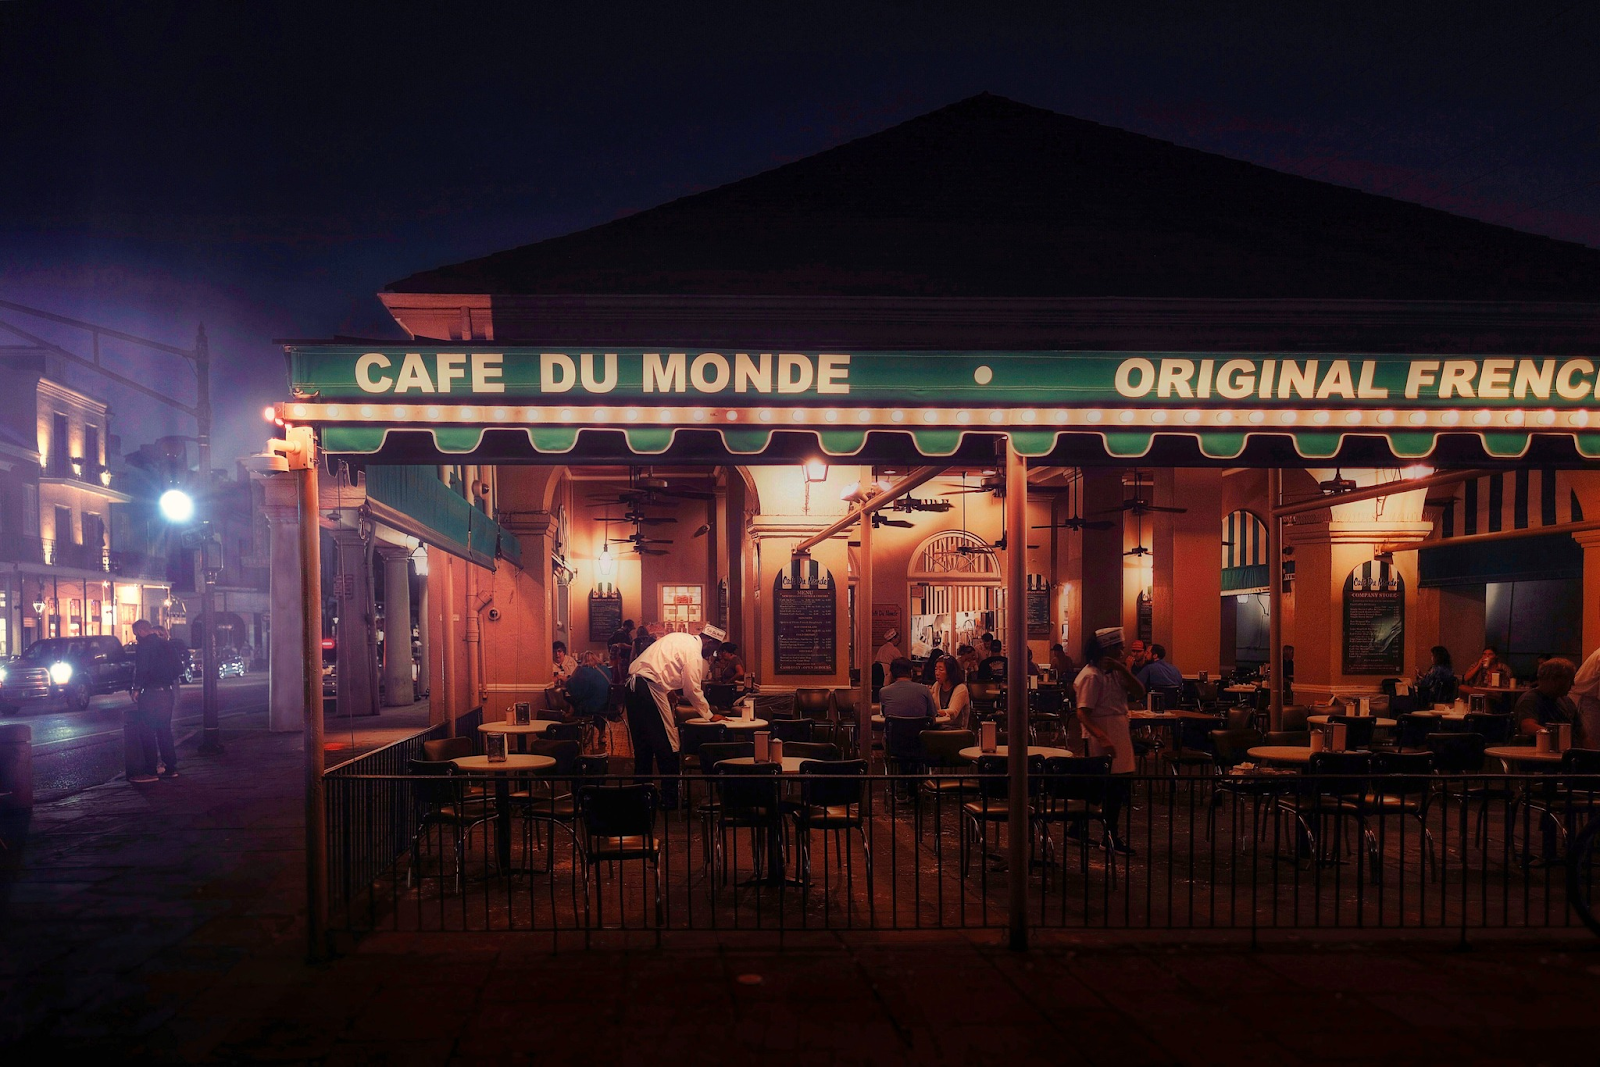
{"points": [[1253, 854]]}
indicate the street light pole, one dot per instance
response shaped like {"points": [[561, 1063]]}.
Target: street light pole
{"points": [[210, 731]]}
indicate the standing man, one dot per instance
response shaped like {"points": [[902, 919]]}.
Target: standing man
{"points": [[887, 653], [1103, 689], [156, 671], [674, 661]]}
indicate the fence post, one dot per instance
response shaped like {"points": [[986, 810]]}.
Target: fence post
{"points": [[1016, 641]]}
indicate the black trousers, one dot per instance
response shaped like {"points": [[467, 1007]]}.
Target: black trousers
{"points": [[651, 747]]}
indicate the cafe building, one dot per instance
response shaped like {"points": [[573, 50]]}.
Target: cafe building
{"points": [[795, 406]]}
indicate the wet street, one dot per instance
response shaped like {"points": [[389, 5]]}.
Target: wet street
{"points": [[74, 750]]}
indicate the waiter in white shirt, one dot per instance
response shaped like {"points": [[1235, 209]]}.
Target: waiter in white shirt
{"points": [[675, 661], [1586, 694]]}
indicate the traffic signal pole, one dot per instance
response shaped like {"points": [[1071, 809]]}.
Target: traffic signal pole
{"points": [[205, 578]]}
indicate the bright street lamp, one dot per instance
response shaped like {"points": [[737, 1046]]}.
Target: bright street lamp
{"points": [[176, 506]]}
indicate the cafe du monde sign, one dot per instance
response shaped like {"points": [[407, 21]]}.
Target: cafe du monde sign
{"points": [[976, 379]]}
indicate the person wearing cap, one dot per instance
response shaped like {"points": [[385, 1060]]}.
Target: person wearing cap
{"points": [[1138, 656], [1103, 688], [674, 661]]}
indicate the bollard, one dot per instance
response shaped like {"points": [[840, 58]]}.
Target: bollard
{"points": [[16, 803]]}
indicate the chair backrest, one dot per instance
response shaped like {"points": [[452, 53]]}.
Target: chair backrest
{"points": [[714, 753], [748, 790], [1346, 772], [1287, 737], [591, 766], [812, 703], [618, 810], [563, 731], [902, 738], [565, 753], [787, 730], [1402, 773], [1294, 718], [1456, 753], [1076, 777], [844, 703], [985, 693], [1358, 729], [1233, 746], [720, 694], [1414, 729], [445, 749], [693, 736], [994, 775], [1242, 718], [832, 783], [811, 750], [434, 793], [1049, 701], [1496, 729], [943, 747], [1584, 761]]}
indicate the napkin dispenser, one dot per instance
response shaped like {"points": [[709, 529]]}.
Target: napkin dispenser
{"points": [[1338, 732], [1363, 705], [747, 708], [523, 712], [1545, 743], [1478, 703], [775, 750], [494, 746], [989, 736], [1319, 740], [1563, 736], [763, 743], [511, 716], [1156, 700]]}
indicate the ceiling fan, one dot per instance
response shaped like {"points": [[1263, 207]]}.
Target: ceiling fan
{"points": [[645, 489], [911, 503], [880, 519], [1139, 550], [991, 483], [1338, 483], [1139, 504], [1076, 521]]}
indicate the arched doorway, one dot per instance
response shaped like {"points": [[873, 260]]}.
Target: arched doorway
{"points": [[955, 592]]}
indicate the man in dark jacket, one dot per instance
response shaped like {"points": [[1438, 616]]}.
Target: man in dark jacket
{"points": [[155, 681]]}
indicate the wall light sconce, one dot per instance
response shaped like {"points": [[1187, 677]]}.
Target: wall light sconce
{"points": [[816, 470], [38, 607], [606, 565]]}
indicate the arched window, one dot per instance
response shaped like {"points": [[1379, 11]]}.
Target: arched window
{"points": [[1244, 554]]}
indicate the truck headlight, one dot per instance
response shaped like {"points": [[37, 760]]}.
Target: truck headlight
{"points": [[61, 673], [2, 676]]}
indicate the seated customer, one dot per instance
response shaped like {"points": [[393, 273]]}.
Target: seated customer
{"points": [[728, 667], [1158, 672], [950, 692], [589, 691], [1547, 702], [1438, 683], [904, 699], [1487, 663], [993, 667]]}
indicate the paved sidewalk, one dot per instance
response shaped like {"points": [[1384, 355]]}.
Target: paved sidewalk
{"points": [[163, 923]]}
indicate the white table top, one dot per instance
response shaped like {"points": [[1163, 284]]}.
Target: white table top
{"points": [[1282, 753], [537, 726], [791, 764], [938, 720], [731, 723], [1241, 689], [1002, 750], [1154, 716], [515, 763], [1377, 720], [1521, 754]]}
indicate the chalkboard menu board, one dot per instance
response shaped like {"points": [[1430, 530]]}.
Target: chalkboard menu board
{"points": [[805, 620], [1146, 618], [1039, 613], [1374, 620], [605, 617]]}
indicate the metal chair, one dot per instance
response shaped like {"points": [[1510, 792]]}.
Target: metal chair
{"points": [[619, 825], [992, 804], [948, 776], [833, 799], [444, 801], [747, 798], [1072, 792]]}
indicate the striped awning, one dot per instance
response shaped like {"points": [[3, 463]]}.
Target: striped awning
{"points": [[1525, 499], [1244, 554]]}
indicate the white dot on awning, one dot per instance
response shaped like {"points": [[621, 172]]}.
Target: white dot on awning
{"points": [[983, 375]]}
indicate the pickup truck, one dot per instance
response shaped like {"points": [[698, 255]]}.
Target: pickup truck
{"points": [[65, 670]]}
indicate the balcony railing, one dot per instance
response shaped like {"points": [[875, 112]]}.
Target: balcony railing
{"points": [[92, 474], [139, 565], [72, 554], [21, 548]]}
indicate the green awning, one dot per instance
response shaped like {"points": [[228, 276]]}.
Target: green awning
{"points": [[442, 517]]}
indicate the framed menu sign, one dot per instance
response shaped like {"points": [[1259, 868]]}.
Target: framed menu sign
{"points": [[1374, 620], [1038, 608], [605, 617], [805, 620]]}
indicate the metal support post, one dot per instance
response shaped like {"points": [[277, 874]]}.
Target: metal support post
{"points": [[863, 634], [1275, 597], [1016, 642], [303, 463], [210, 730]]}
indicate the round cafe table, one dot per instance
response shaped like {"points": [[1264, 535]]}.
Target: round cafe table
{"points": [[520, 731], [732, 723], [1521, 754], [1377, 720], [791, 764], [503, 770], [1299, 754], [1002, 750], [938, 720]]}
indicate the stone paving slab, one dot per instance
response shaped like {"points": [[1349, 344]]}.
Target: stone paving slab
{"points": [[164, 924]]}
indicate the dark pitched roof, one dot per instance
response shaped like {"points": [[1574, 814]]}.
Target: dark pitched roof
{"points": [[991, 198]]}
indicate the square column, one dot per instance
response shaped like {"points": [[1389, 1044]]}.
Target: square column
{"points": [[356, 647], [285, 671], [397, 677]]}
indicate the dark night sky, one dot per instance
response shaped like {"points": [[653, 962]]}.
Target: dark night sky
{"points": [[266, 168]]}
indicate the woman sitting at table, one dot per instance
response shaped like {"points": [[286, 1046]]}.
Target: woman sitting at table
{"points": [[950, 690], [1547, 702], [1438, 683]]}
